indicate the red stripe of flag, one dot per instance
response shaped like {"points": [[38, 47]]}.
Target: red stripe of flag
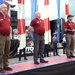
{"points": [[21, 26], [47, 24], [46, 2], [20, 1], [66, 9]]}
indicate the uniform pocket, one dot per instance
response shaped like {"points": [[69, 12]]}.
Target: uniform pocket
{"points": [[1, 21]]}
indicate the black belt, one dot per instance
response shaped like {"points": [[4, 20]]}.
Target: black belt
{"points": [[70, 33], [40, 34], [4, 34]]}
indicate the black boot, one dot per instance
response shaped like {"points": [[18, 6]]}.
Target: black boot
{"points": [[20, 53], [24, 54], [1, 70]]}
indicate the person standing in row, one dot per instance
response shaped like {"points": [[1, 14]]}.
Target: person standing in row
{"points": [[39, 30], [69, 31], [64, 44], [4, 38], [55, 44]]}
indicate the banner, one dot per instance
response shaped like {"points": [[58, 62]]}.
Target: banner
{"points": [[2, 1], [34, 8], [58, 21]]}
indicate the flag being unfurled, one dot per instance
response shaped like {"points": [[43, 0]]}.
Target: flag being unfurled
{"points": [[21, 23], [47, 22]]}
